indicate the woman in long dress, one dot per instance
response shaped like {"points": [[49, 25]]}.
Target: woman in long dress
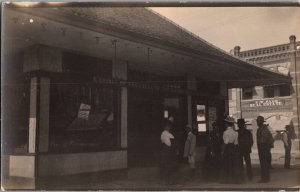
{"points": [[212, 162], [168, 156], [232, 170]]}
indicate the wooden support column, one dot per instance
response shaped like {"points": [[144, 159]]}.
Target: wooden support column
{"points": [[191, 85], [120, 72], [39, 115], [33, 115], [224, 93], [38, 58], [124, 108], [44, 101]]}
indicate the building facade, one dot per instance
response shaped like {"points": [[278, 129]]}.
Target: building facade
{"points": [[278, 103], [88, 89]]}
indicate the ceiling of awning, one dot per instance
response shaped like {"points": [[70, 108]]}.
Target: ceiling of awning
{"points": [[150, 41]]}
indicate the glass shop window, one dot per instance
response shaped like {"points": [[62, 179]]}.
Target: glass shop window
{"points": [[15, 122], [201, 118], [83, 112], [247, 93], [82, 117]]}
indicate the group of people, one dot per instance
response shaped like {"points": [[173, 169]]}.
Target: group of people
{"points": [[227, 148], [226, 152]]}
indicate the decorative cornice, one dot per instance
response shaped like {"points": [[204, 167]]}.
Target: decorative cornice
{"points": [[272, 57]]}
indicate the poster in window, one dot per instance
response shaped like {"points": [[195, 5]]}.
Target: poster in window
{"points": [[200, 112], [212, 117], [201, 127], [84, 111]]}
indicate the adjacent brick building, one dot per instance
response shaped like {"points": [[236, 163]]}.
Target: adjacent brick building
{"points": [[278, 103]]}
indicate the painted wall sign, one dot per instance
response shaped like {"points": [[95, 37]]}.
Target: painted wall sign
{"points": [[267, 103]]}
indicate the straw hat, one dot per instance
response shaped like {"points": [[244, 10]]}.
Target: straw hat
{"points": [[229, 119]]}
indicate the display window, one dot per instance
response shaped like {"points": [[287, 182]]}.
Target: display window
{"points": [[83, 117], [84, 113]]}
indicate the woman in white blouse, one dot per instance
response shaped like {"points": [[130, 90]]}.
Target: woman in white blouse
{"points": [[232, 171]]}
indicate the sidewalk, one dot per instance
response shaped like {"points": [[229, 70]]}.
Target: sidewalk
{"points": [[280, 179]]}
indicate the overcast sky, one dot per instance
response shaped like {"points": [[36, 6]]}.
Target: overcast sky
{"points": [[248, 27]]}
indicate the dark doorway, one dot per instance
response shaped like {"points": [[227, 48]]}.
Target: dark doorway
{"points": [[175, 106], [145, 120]]}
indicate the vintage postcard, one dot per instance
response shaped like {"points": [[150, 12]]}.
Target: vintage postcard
{"points": [[150, 96]]}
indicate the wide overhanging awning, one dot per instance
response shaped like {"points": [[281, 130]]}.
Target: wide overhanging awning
{"points": [[209, 63], [250, 75]]}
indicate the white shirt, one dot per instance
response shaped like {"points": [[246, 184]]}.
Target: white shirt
{"points": [[166, 137], [230, 136], [272, 131]]}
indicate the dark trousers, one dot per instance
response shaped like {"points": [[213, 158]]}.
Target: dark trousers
{"points": [[264, 153], [270, 160], [247, 159], [287, 159]]}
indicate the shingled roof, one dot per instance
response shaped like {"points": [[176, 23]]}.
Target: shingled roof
{"points": [[143, 21], [145, 24]]}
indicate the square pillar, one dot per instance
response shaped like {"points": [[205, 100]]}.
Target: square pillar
{"points": [[224, 93], [33, 114], [191, 85], [120, 72], [39, 115]]}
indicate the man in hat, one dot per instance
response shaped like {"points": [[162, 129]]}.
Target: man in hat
{"points": [[264, 145], [245, 140], [287, 141], [189, 149]]}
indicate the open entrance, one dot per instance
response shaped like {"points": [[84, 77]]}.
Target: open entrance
{"points": [[145, 120], [147, 113]]}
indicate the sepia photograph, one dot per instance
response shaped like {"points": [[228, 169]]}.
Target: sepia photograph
{"points": [[150, 96]]}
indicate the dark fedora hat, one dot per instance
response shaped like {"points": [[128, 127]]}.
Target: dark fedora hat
{"points": [[242, 121], [260, 118]]}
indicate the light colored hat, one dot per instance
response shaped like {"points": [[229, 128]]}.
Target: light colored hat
{"points": [[171, 118], [229, 119]]}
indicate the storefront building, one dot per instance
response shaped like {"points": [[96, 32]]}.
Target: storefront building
{"points": [[88, 89], [278, 103]]}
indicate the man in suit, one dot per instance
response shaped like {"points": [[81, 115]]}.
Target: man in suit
{"points": [[245, 144], [264, 144], [287, 141]]}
